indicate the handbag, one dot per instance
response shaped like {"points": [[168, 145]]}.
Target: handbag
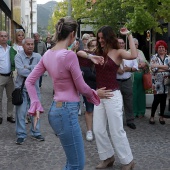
{"points": [[166, 81], [147, 81], [17, 98], [17, 95]]}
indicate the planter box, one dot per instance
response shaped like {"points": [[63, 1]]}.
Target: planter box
{"points": [[149, 100]]}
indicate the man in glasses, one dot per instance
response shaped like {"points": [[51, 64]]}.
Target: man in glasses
{"points": [[125, 84], [6, 80]]}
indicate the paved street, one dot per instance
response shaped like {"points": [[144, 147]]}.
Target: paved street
{"points": [[150, 144]]}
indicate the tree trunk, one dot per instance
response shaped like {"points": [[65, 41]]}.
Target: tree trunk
{"points": [[153, 42]]}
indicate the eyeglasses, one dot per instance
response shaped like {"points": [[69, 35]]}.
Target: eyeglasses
{"points": [[17, 30]]}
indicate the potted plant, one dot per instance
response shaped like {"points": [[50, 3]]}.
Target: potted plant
{"points": [[149, 97]]}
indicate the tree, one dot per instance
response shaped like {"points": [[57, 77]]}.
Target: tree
{"points": [[98, 14], [137, 15], [146, 14], [101, 13], [59, 12]]}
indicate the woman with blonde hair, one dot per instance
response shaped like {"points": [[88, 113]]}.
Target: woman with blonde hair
{"points": [[17, 46], [89, 75], [85, 39]]}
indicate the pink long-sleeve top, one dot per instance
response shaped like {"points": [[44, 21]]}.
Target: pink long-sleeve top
{"points": [[63, 67]]}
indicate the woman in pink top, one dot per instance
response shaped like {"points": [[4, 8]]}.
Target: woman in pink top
{"points": [[63, 67], [110, 109]]}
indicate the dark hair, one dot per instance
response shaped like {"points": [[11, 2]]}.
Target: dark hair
{"points": [[64, 27], [110, 40]]}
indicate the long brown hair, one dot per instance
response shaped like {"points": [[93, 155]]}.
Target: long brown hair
{"points": [[110, 40], [64, 27]]}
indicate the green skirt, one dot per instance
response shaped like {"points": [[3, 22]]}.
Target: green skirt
{"points": [[139, 100]]}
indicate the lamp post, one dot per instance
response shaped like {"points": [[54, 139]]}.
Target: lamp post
{"points": [[31, 19], [69, 8]]}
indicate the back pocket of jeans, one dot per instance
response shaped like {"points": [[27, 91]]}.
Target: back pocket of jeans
{"points": [[56, 122]]}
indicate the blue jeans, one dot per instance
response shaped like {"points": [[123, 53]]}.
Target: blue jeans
{"points": [[20, 115], [64, 122]]}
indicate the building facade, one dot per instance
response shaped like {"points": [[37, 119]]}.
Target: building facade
{"points": [[18, 14]]}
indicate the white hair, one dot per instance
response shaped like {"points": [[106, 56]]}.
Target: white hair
{"points": [[136, 40], [27, 38], [85, 36]]}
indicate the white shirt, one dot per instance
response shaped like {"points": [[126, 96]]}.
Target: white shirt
{"points": [[5, 63], [20, 48], [48, 45], [128, 63]]}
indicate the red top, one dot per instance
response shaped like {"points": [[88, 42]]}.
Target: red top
{"points": [[106, 75], [83, 62]]}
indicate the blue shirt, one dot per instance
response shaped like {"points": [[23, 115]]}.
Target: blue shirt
{"points": [[24, 69]]}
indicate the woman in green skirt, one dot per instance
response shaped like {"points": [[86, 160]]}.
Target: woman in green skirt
{"points": [[139, 100]]}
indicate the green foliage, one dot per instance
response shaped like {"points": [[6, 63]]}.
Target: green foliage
{"points": [[59, 12], [146, 14], [137, 15]]}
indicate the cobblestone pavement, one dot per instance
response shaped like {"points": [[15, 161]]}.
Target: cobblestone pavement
{"points": [[149, 143]]}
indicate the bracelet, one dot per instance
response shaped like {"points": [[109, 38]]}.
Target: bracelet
{"points": [[89, 56], [156, 69], [129, 33]]}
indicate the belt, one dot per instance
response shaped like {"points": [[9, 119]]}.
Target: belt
{"points": [[61, 104], [5, 74], [122, 80]]}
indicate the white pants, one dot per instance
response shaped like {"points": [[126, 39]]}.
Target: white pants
{"points": [[111, 110]]}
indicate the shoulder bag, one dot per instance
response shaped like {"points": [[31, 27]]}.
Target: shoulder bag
{"points": [[17, 98]]}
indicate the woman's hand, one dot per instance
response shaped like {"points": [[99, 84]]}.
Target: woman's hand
{"points": [[97, 59], [155, 65], [120, 71], [75, 46], [124, 31], [37, 116], [104, 94], [141, 65]]}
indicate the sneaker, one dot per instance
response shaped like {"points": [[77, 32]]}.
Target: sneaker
{"points": [[26, 121], [79, 113], [89, 135], [20, 141], [39, 138]]}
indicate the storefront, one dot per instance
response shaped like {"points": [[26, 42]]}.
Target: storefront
{"points": [[10, 16], [5, 15]]}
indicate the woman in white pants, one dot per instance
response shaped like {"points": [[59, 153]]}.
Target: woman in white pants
{"points": [[110, 108]]}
